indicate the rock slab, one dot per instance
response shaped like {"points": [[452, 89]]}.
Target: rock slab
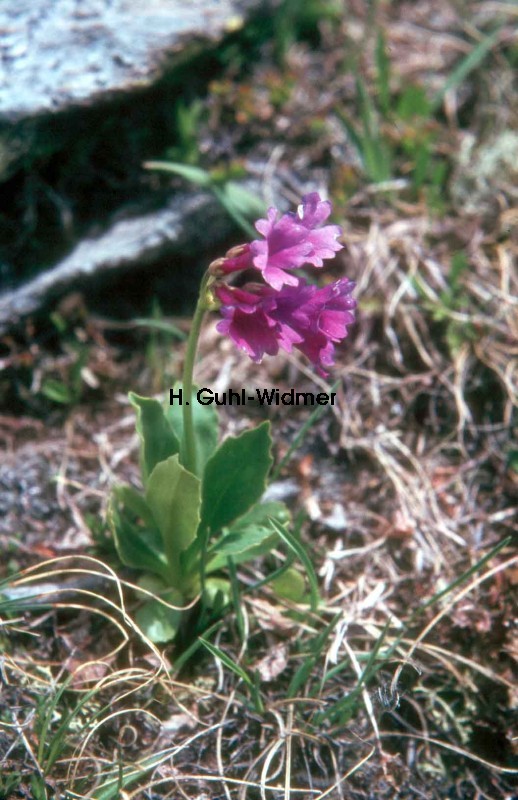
{"points": [[58, 54], [188, 222]]}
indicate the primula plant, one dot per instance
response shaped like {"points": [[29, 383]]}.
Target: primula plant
{"points": [[201, 512]]}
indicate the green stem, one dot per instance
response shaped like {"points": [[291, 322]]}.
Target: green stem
{"points": [[189, 441]]}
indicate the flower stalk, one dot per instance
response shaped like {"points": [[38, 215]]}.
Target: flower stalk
{"points": [[280, 310], [190, 456]]}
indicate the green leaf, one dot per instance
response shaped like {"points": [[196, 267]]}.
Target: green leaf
{"points": [[217, 593], [235, 543], [263, 513], [249, 537], [173, 495], [156, 620], [157, 438], [138, 546], [290, 585], [205, 422], [235, 477]]}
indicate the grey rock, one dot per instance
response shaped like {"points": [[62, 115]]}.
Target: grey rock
{"points": [[56, 54], [188, 223], [63, 62]]}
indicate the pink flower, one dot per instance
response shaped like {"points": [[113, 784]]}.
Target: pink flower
{"points": [[289, 243], [285, 311], [246, 321], [261, 320]]}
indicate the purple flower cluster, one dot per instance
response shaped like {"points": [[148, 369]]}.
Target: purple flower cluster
{"points": [[285, 311]]}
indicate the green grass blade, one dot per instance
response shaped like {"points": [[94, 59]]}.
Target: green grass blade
{"points": [[160, 325], [271, 577], [443, 593], [234, 213], [187, 654], [467, 65], [237, 670], [297, 547], [306, 668], [312, 420], [377, 159], [55, 742], [382, 73], [352, 133], [111, 788], [203, 178], [227, 661], [196, 175], [236, 597], [336, 714], [366, 109], [465, 575]]}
